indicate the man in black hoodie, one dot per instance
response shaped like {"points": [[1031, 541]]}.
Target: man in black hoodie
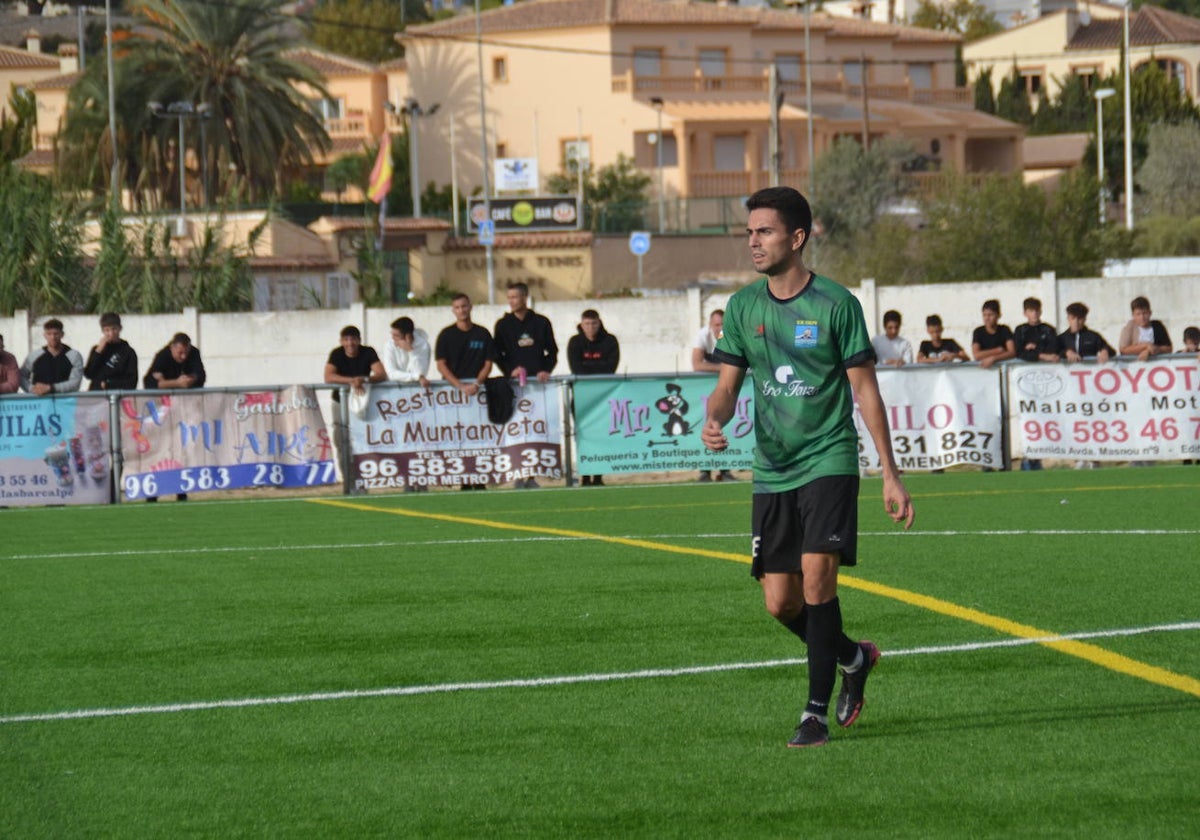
{"points": [[593, 350], [112, 364], [525, 347]]}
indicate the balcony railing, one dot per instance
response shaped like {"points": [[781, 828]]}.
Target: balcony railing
{"points": [[721, 184], [347, 127], [700, 84]]}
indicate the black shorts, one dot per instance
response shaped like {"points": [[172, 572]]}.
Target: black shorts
{"points": [[819, 518]]}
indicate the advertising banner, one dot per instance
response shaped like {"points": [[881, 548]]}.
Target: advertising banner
{"points": [[1119, 411], [223, 440], [653, 424], [54, 450], [441, 437], [940, 416], [512, 215]]}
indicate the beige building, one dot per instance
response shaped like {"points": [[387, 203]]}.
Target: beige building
{"points": [[1086, 41], [595, 77]]}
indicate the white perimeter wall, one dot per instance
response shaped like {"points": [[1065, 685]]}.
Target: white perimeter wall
{"points": [[656, 333]]}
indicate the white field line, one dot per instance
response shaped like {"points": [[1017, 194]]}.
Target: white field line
{"points": [[540, 682], [230, 549]]}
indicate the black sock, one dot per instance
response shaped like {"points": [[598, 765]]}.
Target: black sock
{"points": [[827, 645], [799, 623]]}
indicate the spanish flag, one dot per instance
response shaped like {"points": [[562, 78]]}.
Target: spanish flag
{"points": [[381, 174]]}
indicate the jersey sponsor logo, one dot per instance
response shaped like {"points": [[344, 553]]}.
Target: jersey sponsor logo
{"points": [[760, 331], [788, 384], [806, 334]]}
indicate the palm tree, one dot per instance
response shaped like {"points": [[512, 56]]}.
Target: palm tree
{"points": [[233, 56]]}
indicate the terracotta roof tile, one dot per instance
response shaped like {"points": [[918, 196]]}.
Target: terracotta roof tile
{"points": [[338, 223], [566, 14], [1149, 26], [15, 59], [330, 64], [63, 82]]}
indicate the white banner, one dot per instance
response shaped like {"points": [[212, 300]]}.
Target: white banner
{"points": [[440, 437], [515, 174], [1119, 411], [940, 416]]}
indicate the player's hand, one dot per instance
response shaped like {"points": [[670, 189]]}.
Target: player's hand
{"points": [[712, 435], [897, 503], [543, 376]]}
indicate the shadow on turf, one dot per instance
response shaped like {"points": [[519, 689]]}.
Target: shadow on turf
{"points": [[896, 727]]}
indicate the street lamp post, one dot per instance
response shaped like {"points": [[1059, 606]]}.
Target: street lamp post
{"points": [[1128, 129], [657, 103], [413, 110], [180, 111], [1101, 95]]}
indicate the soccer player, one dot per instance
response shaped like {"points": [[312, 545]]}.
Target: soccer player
{"points": [[804, 341]]}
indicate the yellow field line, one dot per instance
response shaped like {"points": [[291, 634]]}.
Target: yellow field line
{"points": [[1083, 650]]}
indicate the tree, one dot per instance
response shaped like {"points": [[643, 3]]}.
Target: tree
{"points": [[1012, 103], [615, 195], [16, 131], [1169, 177], [854, 185], [41, 259], [365, 29], [234, 57], [969, 19], [985, 96]]}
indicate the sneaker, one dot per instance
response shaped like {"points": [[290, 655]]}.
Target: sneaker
{"points": [[810, 733], [530, 484], [850, 699], [725, 475], [704, 476]]}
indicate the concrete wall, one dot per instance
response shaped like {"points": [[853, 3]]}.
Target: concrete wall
{"points": [[655, 332]]}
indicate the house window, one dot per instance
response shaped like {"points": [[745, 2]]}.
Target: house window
{"points": [[852, 72], [330, 109], [712, 63], [499, 68], [921, 76], [1032, 80], [647, 62], [789, 67], [645, 149], [576, 153], [1088, 76], [501, 150], [729, 153]]}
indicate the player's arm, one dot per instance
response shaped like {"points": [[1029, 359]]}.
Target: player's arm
{"points": [[721, 405], [896, 501]]}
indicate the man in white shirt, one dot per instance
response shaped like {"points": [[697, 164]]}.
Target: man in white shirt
{"points": [[890, 347], [706, 340], [406, 356]]}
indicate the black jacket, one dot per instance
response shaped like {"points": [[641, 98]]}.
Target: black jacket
{"points": [[590, 357], [527, 343], [114, 369]]}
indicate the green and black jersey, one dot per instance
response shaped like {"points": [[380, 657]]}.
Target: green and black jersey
{"points": [[797, 352]]}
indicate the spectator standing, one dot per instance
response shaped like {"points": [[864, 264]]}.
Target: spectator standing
{"points": [[353, 363], [1141, 336], [1078, 342], [525, 345], [992, 342], [591, 351], [805, 504], [706, 340], [938, 349], [1035, 340], [10, 371], [464, 352], [890, 347], [406, 357], [56, 368], [703, 360], [1191, 340], [112, 363], [178, 365]]}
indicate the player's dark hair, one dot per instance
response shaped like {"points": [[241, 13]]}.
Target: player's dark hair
{"points": [[1032, 303], [589, 313], [404, 325], [523, 288], [181, 338], [1077, 309], [1139, 302], [993, 305], [52, 324], [110, 319], [891, 317], [791, 206], [1189, 334], [461, 296], [351, 331], [933, 321]]}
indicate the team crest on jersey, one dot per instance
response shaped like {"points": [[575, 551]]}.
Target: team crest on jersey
{"points": [[806, 334]]}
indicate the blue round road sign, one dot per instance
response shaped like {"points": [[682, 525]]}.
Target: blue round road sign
{"points": [[639, 242]]}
